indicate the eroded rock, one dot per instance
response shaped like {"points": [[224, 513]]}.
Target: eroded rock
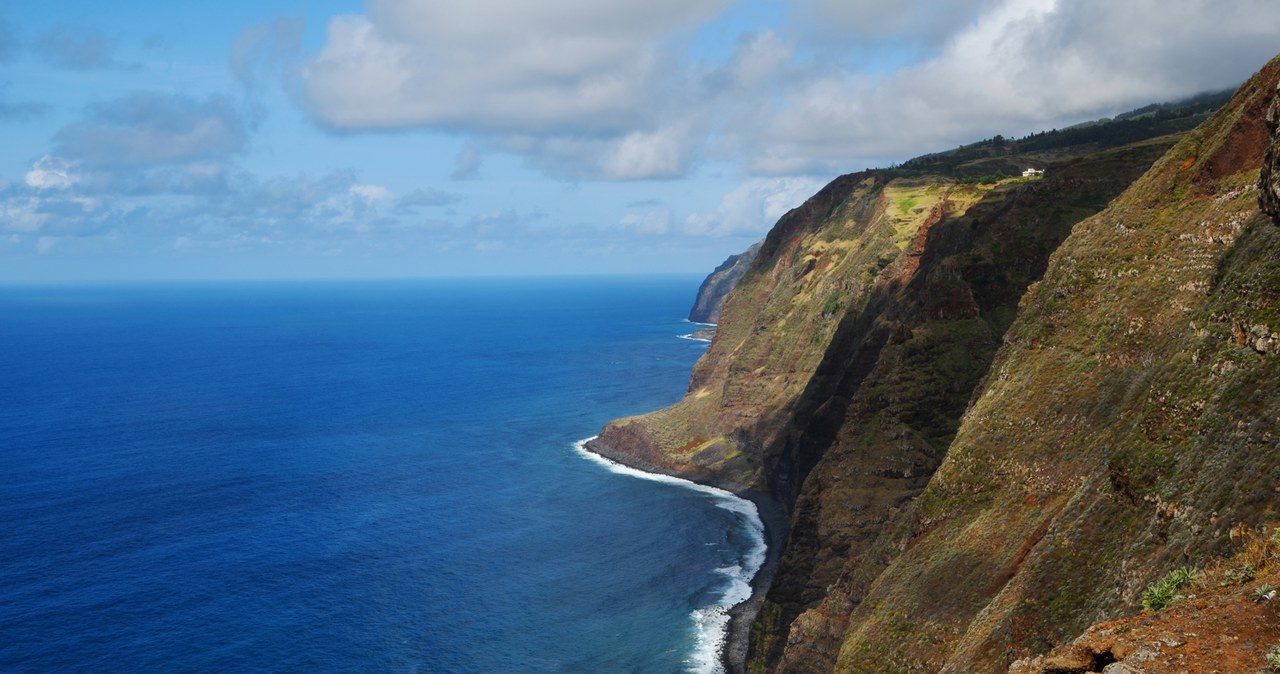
{"points": [[1269, 183]]}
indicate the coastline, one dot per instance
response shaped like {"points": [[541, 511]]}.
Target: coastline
{"points": [[774, 523]]}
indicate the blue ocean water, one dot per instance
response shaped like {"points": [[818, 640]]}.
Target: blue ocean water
{"points": [[341, 477]]}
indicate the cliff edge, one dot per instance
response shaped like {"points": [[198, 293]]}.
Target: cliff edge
{"points": [[709, 301]]}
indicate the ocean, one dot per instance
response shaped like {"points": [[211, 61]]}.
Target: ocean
{"points": [[351, 477]]}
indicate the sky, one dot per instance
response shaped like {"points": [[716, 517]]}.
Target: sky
{"points": [[421, 138]]}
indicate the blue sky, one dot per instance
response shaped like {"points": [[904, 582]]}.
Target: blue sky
{"points": [[403, 138]]}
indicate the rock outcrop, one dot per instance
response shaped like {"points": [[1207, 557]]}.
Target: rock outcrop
{"points": [[1269, 183], [709, 301], [1228, 622], [996, 412]]}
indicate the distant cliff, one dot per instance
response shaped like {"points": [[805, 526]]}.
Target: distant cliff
{"points": [[996, 410], [715, 288]]}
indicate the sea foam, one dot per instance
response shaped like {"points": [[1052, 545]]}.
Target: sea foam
{"points": [[711, 622]]}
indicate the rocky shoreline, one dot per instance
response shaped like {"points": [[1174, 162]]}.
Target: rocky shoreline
{"points": [[775, 521]]}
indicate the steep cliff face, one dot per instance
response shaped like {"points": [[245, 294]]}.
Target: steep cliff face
{"points": [[821, 261], [709, 301], [878, 415], [1127, 423]]}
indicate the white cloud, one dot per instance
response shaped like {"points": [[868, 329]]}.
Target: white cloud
{"points": [[21, 215], [752, 208], [662, 154], [655, 223], [50, 173], [582, 87], [1022, 66], [371, 193], [610, 89], [507, 67]]}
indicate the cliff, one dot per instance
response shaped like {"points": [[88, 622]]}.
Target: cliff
{"points": [[709, 301], [995, 412], [1128, 422], [820, 262]]}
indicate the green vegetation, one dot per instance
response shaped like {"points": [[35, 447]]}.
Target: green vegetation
{"points": [[988, 179], [982, 161], [832, 305], [1164, 592], [764, 632], [1264, 592], [1240, 574], [1273, 658]]}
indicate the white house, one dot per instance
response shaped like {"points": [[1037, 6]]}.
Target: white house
{"points": [[1032, 172]]}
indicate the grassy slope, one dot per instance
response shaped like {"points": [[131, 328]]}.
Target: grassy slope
{"points": [[1122, 429]]}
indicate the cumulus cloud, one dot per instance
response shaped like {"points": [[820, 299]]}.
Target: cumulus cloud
{"points": [[752, 208], [664, 152], [610, 90], [532, 66], [1023, 65], [76, 47], [51, 173], [582, 87], [149, 129]]}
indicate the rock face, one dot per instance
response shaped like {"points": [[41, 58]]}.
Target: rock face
{"points": [[853, 242], [877, 417], [715, 288], [995, 413], [1228, 625], [1269, 184], [1120, 431]]}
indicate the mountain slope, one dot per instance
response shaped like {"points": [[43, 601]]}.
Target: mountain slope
{"points": [[1129, 420], [877, 418], [965, 489]]}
